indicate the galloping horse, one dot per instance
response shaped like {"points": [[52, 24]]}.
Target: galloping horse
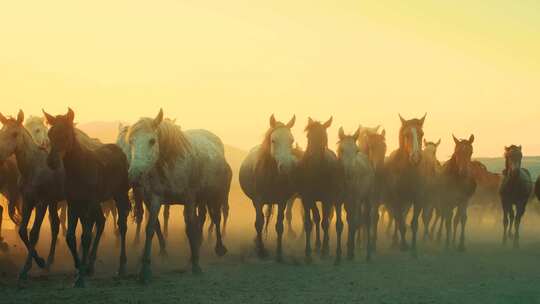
{"points": [[320, 179], [40, 187], [267, 177], [458, 186], [516, 189], [9, 188], [186, 168], [430, 169], [357, 196], [92, 176], [404, 178]]}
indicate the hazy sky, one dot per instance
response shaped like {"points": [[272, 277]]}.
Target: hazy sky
{"points": [[474, 66]]}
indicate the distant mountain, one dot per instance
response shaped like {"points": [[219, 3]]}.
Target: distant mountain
{"points": [[496, 164]]}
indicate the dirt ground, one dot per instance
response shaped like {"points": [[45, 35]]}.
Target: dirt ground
{"points": [[486, 273]]}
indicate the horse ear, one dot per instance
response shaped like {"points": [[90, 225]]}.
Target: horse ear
{"points": [[20, 117], [423, 119], [159, 118], [438, 142], [291, 122], [383, 133], [403, 121], [455, 139], [341, 133], [272, 121], [471, 139], [3, 119], [376, 129], [519, 148], [309, 121], [49, 118], [356, 134], [328, 123], [70, 115], [506, 148]]}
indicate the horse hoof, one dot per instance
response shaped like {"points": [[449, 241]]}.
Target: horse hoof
{"points": [[163, 253], [262, 253], [404, 247], [145, 275], [79, 282], [40, 262], [196, 269], [308, 260], [221, 250], [122, 271], [90, 271], [23, 277]]}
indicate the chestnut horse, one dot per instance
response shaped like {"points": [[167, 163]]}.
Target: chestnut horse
{"points": [[320, 178], [92, 176], [516, 189], [458, 186], [404, 178]]}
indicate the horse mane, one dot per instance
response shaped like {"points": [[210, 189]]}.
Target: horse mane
{"points": [[506, 164], [86, 141], [172, 141]]}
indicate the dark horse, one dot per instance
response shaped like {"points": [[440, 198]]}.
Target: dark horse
{"points": [[516, 188], [91, 177], [458, 186], [537, 188], [39, 186], [266, 177], [9, 188], [320, 179], [404, 178]]}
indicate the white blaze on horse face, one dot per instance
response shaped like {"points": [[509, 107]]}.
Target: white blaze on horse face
{"points": [[415, 153], [144, 153], [281, 149]]}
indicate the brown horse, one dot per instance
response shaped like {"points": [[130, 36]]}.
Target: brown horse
{"points": [[320, 179], [458, 186], [404, 179], [92, 176], [267, 177], [486, 196], [516, 189], [9, 188]]}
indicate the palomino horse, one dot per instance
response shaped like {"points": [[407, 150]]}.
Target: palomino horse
{"points": [[175, 167], [358, 181], [516, 189], [92, 176], [375, 149], [40, 187], [404, 178], [267, 177], [457, 187], [9, 188], [430, 169], [320, 179]]}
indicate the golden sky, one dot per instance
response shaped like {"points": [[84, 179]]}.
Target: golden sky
{"points": [[474, 66]]}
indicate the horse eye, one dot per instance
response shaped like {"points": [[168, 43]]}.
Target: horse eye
{"points": [[152, 142]]}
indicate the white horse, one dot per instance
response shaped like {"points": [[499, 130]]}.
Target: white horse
{"points": [[186, 168]]}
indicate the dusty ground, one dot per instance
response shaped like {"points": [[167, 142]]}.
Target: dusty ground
{"points": [[486, 273]]}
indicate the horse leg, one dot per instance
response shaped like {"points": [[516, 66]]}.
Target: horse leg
{"points": [[462, 212], [122, 205], [400, 222], [55, 227], [71, 239], [327, 208], [456, 222], [192, 231], [374, 227], [368, 224], [512, 216], [166, 215], [259, 225], [63, 218], [225, 214], [30, 241], [427, 214], [448, 223], [505, 222], [139, 214], [288, 216], [395, 236], [520, 210], [279, 230], [201, 218], [414, 227], [308, 225], [339, 231], [317, 223], [99, 220], [352, 214], [86, 240], [215, 214], [3, 245], [153, 208], [161, 239]]}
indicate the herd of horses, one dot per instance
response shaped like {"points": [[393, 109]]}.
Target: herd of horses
{"points": [[49, 164]]}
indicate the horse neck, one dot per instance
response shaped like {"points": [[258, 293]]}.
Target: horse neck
{"points": [[26, 154], [74, 158]]}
